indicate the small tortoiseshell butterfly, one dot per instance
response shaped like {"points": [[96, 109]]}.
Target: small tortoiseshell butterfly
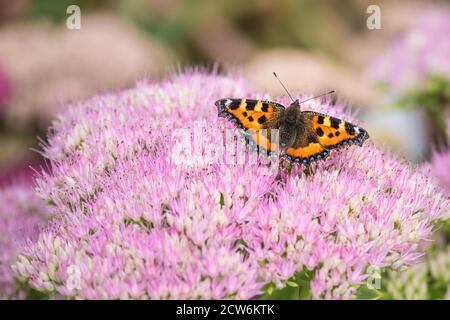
{"points": [[304, 136]]}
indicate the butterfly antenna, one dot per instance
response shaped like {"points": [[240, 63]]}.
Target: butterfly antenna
{"points": [[320, 95], [283, 86]]}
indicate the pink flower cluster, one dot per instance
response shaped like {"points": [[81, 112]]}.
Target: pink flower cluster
{"points": [[132, 223], [22, 213], [422, 51]]}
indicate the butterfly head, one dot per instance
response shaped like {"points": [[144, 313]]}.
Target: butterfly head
{"points": [[292, 112], [295, 104]]}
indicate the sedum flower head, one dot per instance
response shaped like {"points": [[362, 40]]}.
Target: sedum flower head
{"points": [[22, 213], [146, 207]]}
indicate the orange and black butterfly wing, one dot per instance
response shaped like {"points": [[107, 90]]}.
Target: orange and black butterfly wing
{"points": [[306, 148], [249, 114], [333, 133], [256, 117], [321, 133]]}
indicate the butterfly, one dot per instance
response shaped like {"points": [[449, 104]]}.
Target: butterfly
{"points": [[303, 136]]}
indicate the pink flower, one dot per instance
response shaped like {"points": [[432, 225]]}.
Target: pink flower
{"points": [[139, 217], [22, 212]]}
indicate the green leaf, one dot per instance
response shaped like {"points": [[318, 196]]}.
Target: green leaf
{"points": [[286, 293], [365, 293], [297, 287]]}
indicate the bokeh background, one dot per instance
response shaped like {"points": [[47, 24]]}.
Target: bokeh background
{"points": [[396, 79]]}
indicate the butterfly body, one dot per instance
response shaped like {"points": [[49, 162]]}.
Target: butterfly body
{"points": [[304, 136]]}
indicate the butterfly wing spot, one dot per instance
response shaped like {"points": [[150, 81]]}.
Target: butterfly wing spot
{"points": [[262, 119], [356, 130], [320, 119], [334, 122]]}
